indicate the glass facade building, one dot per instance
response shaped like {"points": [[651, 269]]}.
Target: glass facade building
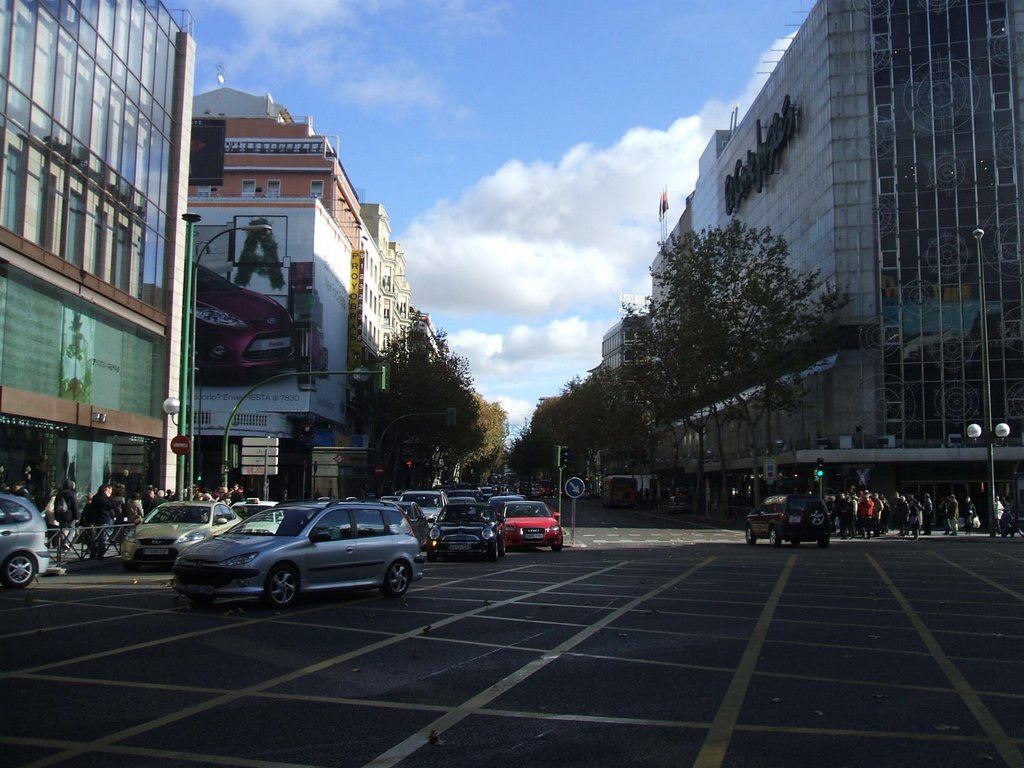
{"points": [[94, 114], [886, 136]]}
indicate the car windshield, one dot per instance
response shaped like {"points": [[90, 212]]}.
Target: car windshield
{"points": [[466, 513], [182, 515], [526, 510]]}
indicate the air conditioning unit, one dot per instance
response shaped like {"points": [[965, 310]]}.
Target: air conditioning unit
{"points": [[955, 441]]}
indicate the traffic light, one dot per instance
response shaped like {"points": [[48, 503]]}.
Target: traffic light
{"points": [[819, 471], [409, 463], [566, 457]]}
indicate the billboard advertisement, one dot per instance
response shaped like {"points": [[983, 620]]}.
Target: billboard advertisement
{"points": [[263, 303]]}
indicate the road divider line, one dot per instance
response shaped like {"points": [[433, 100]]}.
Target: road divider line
{"points": [[474, 704], [712, 752], [998, 738]]}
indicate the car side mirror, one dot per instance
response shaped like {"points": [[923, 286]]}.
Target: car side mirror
{"points": [[220, 521], [317, 536], [557, 515]]}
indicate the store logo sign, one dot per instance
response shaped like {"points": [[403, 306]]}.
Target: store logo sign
{"points": [[752, 172]]}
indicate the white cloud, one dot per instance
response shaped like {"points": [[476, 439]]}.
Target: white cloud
{"points": [[549, 248]]}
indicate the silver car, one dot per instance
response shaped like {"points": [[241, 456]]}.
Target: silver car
{"points": [[23, 551], [279, 553]]}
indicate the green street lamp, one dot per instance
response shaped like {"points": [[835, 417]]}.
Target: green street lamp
{"points": [[186, 379]]}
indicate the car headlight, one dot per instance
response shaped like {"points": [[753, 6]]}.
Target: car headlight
{"points": [[487, 533], [217, 316], [435, 532], [192, 536], [554, 529], [129, 535], [237, 560]]}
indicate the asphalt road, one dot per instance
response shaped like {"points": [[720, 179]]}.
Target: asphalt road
{"points": [[655, 641]]}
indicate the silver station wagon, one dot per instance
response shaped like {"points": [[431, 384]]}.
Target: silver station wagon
{"points": [[281, 552]]}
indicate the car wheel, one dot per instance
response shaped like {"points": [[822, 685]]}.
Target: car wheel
{"points": [[492, 553], [748, 533], [774, 537], [431, 556], [282, 586], [501, 548], [19, 570], [131, 567], [823, 541], [397, 579], [556, 547], [795, 542]]}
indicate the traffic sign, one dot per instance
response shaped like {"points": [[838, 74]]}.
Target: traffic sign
{"points": [[180, 444], [574, 487], [268, 442]]}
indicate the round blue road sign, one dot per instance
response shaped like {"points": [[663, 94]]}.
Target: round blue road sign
{"points": [[574, 487]]}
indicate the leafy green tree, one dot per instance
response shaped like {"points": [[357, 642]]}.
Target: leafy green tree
{"points": [[732, 326]]}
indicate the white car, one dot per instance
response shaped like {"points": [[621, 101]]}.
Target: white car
{"points": [[173, 527], [431, 502]]}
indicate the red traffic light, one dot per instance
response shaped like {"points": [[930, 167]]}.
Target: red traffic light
{"points": [[408, 463]]}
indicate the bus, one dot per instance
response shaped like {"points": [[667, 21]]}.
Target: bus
{"points": [[619, 491]]}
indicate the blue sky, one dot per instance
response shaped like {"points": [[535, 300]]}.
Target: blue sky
{"points": [[519, 146]]}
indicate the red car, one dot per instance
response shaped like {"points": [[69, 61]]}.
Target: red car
{"points": [[531, 524]]}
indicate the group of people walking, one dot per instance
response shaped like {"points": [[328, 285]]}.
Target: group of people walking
{"points": [[861, 513]]}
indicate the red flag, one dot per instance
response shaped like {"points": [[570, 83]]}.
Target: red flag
{"points": [[664, 204]]}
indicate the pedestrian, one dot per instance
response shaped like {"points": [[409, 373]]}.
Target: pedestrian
{"points": [[104, 512], [953, 515], [927, 514], [66, 509], [915, 512], [944, 514], [865, 515], [1000, 508], [900, 514], [971, 520], [52, 526], [134, 510]]}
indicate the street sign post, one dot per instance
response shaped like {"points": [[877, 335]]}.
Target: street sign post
{"points": [[180, 444], [574, 488]]}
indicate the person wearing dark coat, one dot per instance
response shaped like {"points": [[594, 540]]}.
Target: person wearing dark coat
{"points": [[104, 510]]}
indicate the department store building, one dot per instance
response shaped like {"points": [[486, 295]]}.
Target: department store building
{"points": [[887, 134], [95, 109]]}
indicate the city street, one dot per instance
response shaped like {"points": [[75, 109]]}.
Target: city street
{"points": [[656, 640]]}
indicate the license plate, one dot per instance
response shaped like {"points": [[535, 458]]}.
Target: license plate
{"points": [[199, 589], [459, 547], [156, 551], [270, 345], [533, 536], [794, 518]]}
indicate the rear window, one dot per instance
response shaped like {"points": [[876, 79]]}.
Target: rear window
{"points": [[805, 504], [397, 522]]}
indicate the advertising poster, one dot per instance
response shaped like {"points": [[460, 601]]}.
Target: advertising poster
{"points": [[263, 300]]}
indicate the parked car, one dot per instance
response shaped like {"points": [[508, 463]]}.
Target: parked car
{"points": [[473, 528], [171, 528], [278, 554], [430, 502], [792, 517], [531, 524], [497, 502], [23, 551]]}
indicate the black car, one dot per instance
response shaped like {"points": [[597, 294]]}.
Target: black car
{"points": [[472, 528], [793, 517]]}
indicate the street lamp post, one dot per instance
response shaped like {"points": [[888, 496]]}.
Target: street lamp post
{"points": [[1000, 431], [986, 382], [186, 417]]}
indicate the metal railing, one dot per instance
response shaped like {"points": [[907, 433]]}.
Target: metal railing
{"points": [[79, 543]]}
